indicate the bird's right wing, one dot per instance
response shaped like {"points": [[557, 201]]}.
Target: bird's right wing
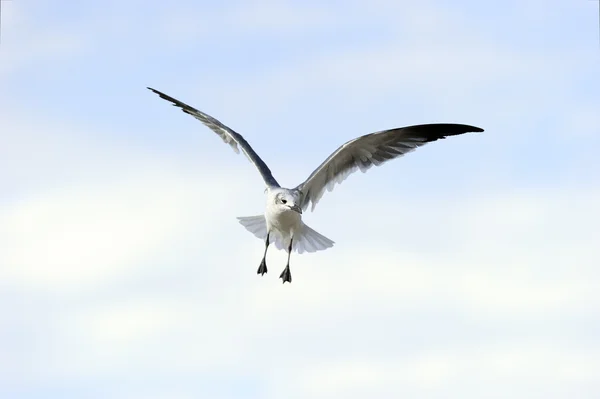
{"points": [[228, 135], [372, 149]]}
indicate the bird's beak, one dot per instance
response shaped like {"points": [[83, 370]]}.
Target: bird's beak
{"points": [[296, 208]]}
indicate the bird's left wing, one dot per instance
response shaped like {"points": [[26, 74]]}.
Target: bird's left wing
{"points": [[228, 135], [372, 149]]}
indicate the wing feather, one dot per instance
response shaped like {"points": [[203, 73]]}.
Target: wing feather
{"points": [[228, 135], [372, 149]]}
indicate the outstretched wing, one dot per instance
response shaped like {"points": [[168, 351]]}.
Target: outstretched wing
{"points": [[372, 149], [228, 135]]}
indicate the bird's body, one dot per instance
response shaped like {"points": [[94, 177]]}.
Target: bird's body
{"points": [[281, 222], [283, 219], [282, 225]]}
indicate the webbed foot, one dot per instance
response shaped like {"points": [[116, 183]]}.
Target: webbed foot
{"points": [[262, 269], [286, 275]]}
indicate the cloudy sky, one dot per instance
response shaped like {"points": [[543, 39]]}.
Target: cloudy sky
{"points": [[467, 269]]}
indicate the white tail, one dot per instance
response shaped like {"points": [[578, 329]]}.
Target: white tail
{"points": [[255, 225], [307, 240], [310, 241]]}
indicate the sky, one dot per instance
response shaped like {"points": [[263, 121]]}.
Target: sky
{"points": [[466, 269]]}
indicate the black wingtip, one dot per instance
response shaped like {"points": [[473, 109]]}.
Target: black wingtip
{"points": [[436, 131], [176, 103], [460, 128]]}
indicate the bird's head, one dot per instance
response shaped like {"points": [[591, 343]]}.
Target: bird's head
{"points": [[287, 200]]}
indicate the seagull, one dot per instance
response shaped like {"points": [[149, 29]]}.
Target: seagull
{"points": [[281, 222]]}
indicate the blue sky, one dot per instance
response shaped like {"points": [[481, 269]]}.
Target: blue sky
{"points": [[467, 269]]}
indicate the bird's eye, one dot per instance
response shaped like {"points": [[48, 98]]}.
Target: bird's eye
{"points": [[284, 201]]}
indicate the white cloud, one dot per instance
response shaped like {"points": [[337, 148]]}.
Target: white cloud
{"points": [[368, 278], [79, 235], [431, 374]]}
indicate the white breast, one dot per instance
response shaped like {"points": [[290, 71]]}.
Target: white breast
{"points": [[285, 221]]}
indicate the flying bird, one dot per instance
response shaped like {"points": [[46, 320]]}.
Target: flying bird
{"points": [[281, 222]]}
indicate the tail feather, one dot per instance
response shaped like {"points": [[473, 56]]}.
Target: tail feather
{"points": [[310, 241], [307, 240], [255, 225]]}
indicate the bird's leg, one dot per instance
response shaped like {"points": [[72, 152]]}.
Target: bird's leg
{"points": [[286, 275], [262, 269]]}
